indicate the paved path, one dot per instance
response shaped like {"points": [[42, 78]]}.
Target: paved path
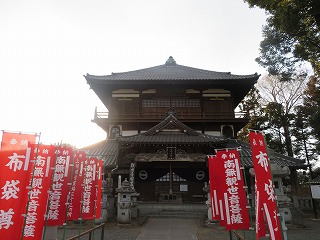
{"points": [[169, 229]]}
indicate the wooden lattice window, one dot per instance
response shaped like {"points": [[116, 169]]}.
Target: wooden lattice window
{"points": [[163, 102], [193, 103], [148, 103]]}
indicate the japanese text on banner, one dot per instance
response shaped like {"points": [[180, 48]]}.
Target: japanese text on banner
{"points": [[89, 192], [233, 195], [13, 187], [57, 209], [76, 191], [264, 185], [42, 165]]}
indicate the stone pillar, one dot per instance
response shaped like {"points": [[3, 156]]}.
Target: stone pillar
{"points": [[206, 189], [108, 195]]}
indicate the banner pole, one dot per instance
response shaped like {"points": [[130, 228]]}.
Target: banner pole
{"points": [[49, 192], [30, 186], [247, 187], [276, 200], [100, 175], [102, 198], [69, 192], [95, 201], [81, 199]]}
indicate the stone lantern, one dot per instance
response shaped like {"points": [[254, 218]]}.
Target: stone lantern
{"points": [[125, 196]]}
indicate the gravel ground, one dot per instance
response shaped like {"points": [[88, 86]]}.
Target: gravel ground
{"points": [[112, 231], [310, 230]]}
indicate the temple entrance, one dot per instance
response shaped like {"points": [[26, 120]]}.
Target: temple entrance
{"points": [[171, 182], [170, 187]]}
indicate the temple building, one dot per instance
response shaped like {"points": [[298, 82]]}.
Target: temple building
{"points": [[163, 122]]}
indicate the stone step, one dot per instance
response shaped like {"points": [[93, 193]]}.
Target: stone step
{"points": [[173, 211]]}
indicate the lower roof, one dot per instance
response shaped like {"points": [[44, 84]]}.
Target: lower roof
{"points": [[172, 132], [107, 150]]}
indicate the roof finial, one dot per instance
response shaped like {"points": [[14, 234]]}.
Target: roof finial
{"points": [[170, 61]]}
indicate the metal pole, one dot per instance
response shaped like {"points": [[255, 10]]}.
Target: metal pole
{"points": [[102, 231], [230, 235], [170, 191]]}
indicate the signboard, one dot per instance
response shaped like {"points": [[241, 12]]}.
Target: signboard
{"points": [[171, 153], [315, 191], [183, 188]]}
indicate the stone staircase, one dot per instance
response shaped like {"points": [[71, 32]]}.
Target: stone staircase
{"points": [[156, 210]]}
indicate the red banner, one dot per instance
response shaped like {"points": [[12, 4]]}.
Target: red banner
{"points": [[76, 192], [98, 207], [213, 176], [13, 141], [265, 189], [232, 191], [42, 166], [14, 179], [89, 192], [57, 209]]}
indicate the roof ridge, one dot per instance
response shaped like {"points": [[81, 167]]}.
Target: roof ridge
{"points": [[170, 119], [170, 65]]}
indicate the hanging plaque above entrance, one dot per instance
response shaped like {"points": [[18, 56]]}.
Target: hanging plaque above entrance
{"points": [[156, 157], [171, 153]]}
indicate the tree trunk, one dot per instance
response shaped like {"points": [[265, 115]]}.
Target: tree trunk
{"points": [[288, 142], [294, 181]]}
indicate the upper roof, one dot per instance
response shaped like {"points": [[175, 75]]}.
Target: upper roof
{"points": [[169, 71]]}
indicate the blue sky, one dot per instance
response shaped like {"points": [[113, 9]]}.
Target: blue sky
{"points": [[47, 46]]}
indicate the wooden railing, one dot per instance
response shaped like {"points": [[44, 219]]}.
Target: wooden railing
{"points": [[220, 115], [90, 233]]}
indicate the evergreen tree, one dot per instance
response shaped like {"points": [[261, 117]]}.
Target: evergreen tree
{"points": [[311, 107], [299, 22], [251, 107], [304, 143]]}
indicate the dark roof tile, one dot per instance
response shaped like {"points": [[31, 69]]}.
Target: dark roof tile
{"points": [[170, 72], [105, 150], [274, 157], [172, 131]]}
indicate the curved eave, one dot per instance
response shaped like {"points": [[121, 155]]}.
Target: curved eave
{"points": [[172, 139], [155, 81]]}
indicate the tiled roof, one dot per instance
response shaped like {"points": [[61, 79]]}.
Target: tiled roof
{"points": [[274, 157], [171, 122], [105, 150], [171, 130], [172, 138], [314, 181], [170, 71]]}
